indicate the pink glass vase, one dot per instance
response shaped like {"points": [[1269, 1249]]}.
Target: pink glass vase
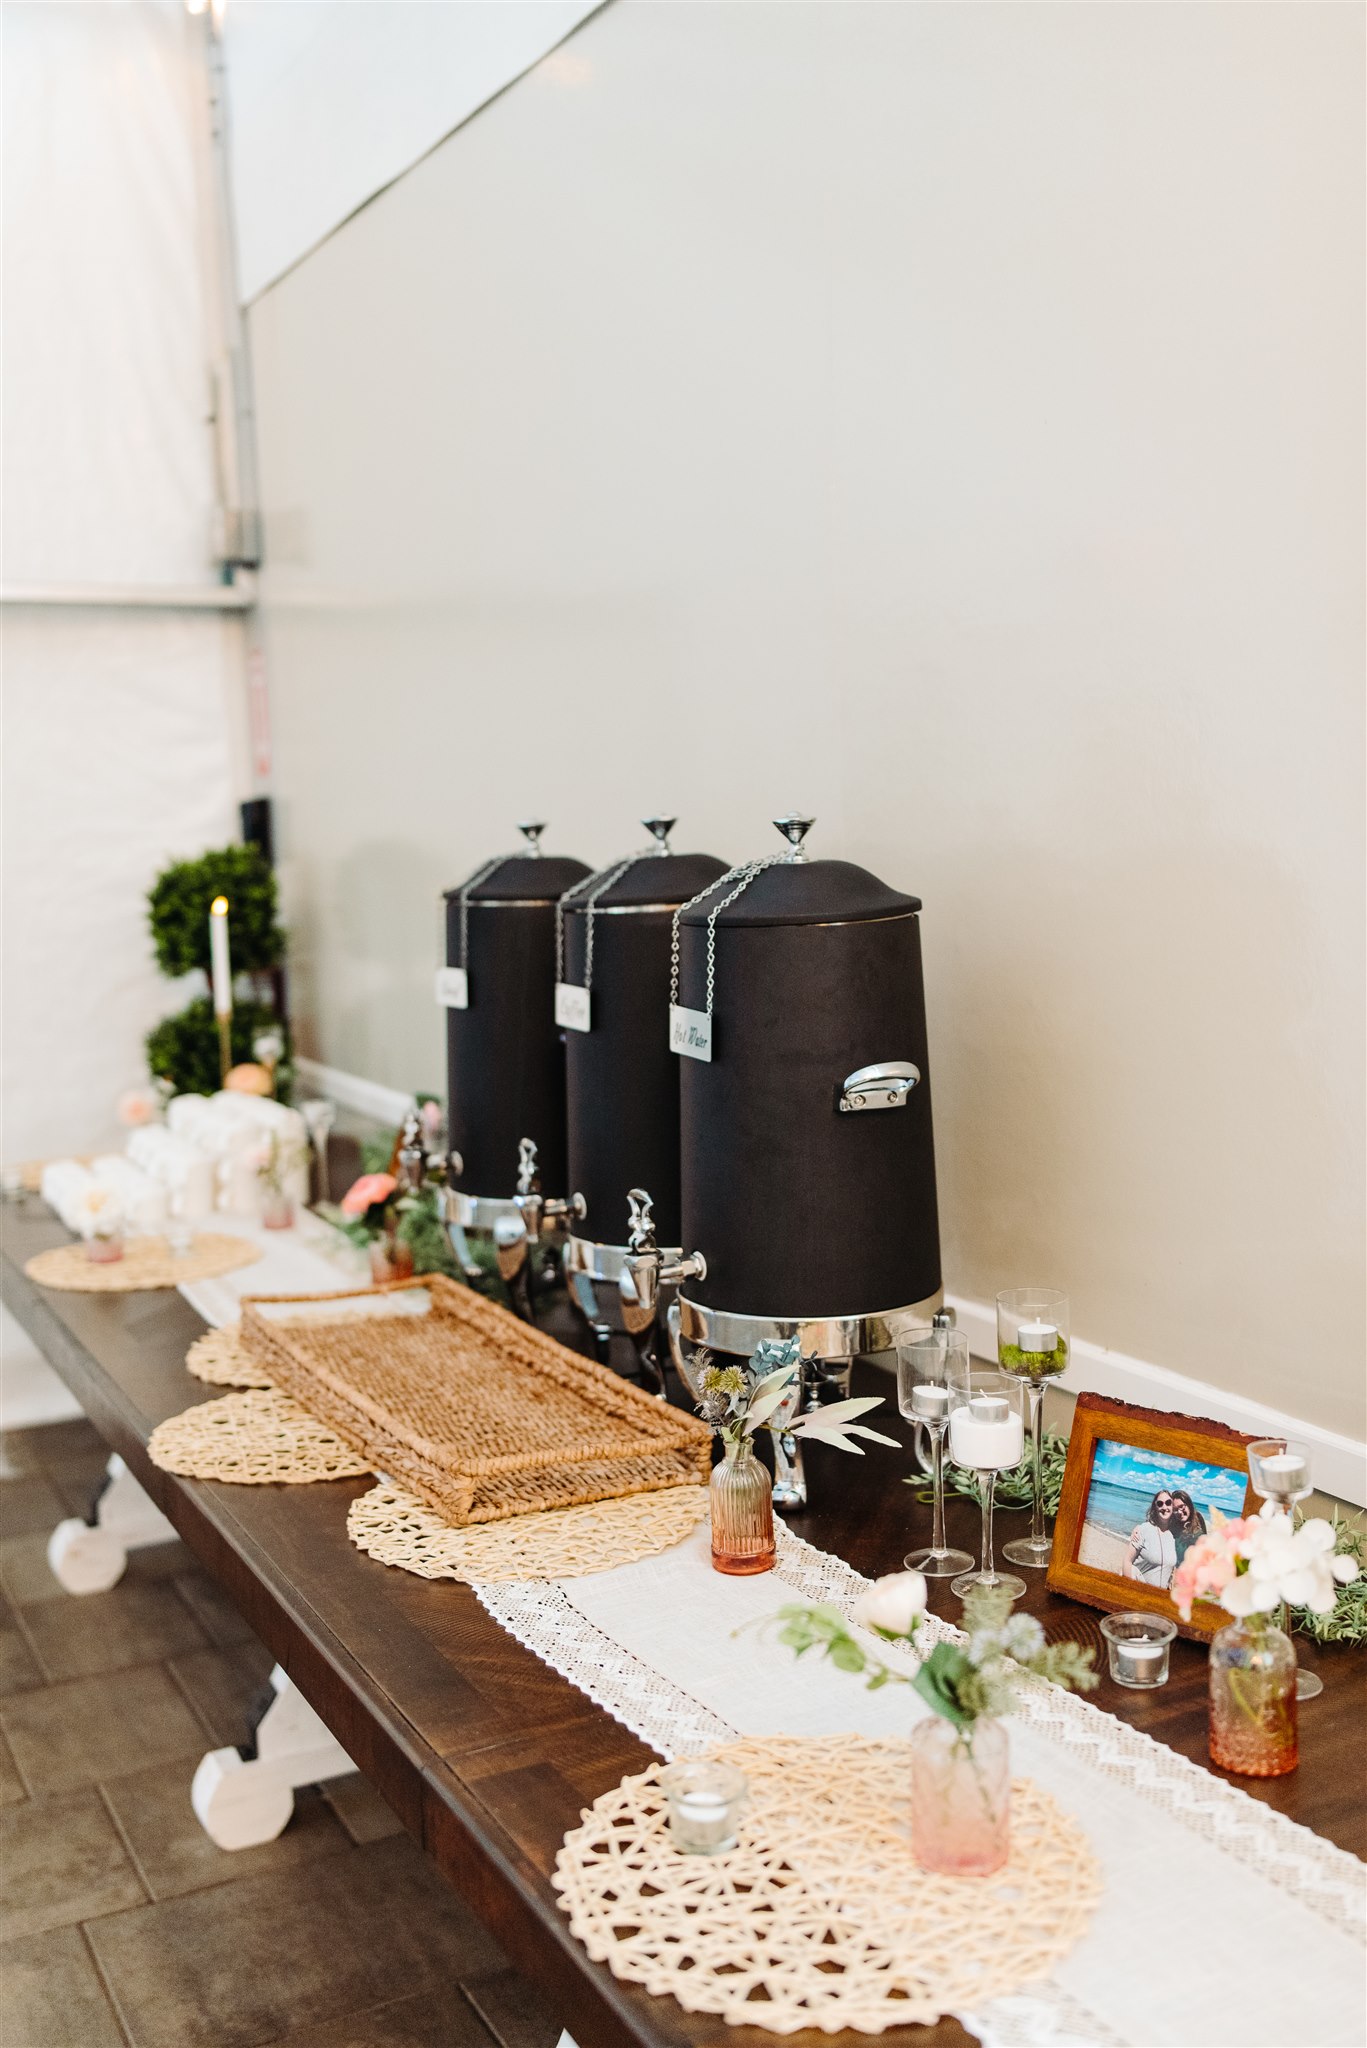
{"points": [[742, 1513], [960, 1797], [277, 1210], [390, 1260], [102, 1251], [1253, 1699]]}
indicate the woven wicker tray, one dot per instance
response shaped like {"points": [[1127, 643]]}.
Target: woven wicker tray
{"points": [[478, 1414]]}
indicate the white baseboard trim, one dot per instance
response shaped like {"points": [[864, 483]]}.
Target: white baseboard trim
{"points": [[1339, 1462], [368, 1098]]}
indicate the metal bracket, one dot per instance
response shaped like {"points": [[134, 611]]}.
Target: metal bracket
{"points": [[885, 1086]]}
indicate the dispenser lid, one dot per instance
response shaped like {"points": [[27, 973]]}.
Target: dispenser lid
{"points": [[532, 877], [666, 878], [808, 892]]}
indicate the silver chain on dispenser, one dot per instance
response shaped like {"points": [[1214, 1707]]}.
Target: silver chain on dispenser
{"points": [[463, 901], [742, 876], [574, 896]]}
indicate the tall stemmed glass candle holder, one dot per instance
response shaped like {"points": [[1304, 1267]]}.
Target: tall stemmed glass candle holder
{"points": [[923, 1372], [986, 1436], [1032, 1345], [1279, 1468]]}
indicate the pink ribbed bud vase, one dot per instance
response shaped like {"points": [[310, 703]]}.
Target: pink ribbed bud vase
{"points": [[742, 1512], [1253, 1699], [960, 1797]]}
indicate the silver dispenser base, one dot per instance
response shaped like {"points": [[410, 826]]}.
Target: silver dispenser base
{"points": [[828, 1346]]}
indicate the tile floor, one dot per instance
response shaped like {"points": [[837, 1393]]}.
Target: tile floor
{"points": [[121, 1925]]}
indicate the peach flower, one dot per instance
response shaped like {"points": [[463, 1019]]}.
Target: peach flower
{"points": [[364, 1193]]}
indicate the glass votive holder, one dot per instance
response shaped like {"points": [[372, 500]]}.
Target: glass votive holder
{"points": [[705, 1800], [1137, 1646]]}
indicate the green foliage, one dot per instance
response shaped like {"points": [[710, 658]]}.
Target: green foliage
{"points": [[178, 911], [184, 1049], [963, 1681], [420, 1225], [1015, 1488], [1347, 1620]]}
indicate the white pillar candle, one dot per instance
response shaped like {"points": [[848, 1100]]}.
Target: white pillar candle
{"points": [[1037, 1337], [219, 958], [986, 1434]]}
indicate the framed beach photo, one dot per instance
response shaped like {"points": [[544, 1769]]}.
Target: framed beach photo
{"points": [[1139, 1487]]}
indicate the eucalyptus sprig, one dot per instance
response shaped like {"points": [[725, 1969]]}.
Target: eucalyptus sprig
{"points": [[962, 1682], [736, 1402]]}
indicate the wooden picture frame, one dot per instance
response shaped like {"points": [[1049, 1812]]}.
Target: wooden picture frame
{"points": [[1096, 1421]]}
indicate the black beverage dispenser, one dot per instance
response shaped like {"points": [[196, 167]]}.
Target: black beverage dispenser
{"points": [[622, 1080], [505, 1063], [807, 1153]]}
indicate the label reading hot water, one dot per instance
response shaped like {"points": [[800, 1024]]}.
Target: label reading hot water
{"points": [[453, 988], [571, 1006], [690, 1032]]}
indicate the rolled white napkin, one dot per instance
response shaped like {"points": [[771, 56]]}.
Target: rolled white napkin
{"points": [[62, 1184], [141, 1198]]}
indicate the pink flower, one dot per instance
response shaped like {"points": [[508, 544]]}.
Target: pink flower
{"points": [[364, 1193], [137, 1106]]}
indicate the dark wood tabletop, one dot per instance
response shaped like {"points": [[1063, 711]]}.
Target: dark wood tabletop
{"points": [[486, 1754]]}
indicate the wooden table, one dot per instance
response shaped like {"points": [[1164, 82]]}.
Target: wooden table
{"points": [[486, 1754]]}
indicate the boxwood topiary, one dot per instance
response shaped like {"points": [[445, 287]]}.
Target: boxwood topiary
{"points": [[178, 911], [184, 1049]]}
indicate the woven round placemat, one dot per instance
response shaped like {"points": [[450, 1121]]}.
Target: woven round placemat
{"points": [[820, 1917], [221, 1359], [146, 1262], [258, 1438], [557, 1543]]}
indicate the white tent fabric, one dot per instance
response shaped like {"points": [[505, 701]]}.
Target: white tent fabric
{"points": [[330, 103], [122, 725]]}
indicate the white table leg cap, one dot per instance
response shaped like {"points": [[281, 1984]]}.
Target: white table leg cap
{"points": [[238, 1804], [85, 1560]]}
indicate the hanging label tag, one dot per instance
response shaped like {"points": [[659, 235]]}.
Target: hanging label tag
{"points": [[690, 1032], [453, 988], [571, 1006]]}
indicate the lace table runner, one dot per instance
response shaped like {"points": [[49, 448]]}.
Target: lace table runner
{"points": [[1221, 1922]]}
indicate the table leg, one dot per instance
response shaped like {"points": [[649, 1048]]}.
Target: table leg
{"points": [[90, 1556], [243, 1801]]}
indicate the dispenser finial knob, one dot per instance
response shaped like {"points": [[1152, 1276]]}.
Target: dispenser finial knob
{"points": [[531, 830], [795, 828], [659, 830]]}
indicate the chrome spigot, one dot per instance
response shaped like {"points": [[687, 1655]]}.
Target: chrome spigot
{"points": [[539, 1210], [412, 1155], [795, 829], [659, 830], [645, 1270], [531, 830]]}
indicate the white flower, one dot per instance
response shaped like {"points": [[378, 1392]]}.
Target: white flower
{"points": [[1023, 1637], [96, 1212], [892, 1605], [1286, 1563]]}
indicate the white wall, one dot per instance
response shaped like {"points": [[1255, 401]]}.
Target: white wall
{"points": [[947, 418], [122, 727], [330, 103]]}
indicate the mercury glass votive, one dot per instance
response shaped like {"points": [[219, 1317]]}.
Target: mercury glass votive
{"points": [[705, 1799], [1137, 1646]]}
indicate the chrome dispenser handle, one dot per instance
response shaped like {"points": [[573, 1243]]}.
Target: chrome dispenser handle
{"points": [[884, 1086], [659, 830], [531, 830], [528, 1177]]}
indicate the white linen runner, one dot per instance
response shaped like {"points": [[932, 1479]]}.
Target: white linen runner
{"points": [[1223, 1925]]}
